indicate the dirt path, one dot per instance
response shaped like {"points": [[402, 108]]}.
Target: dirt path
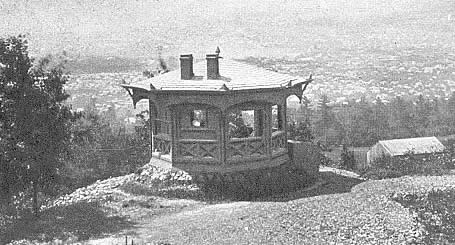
{"points": [[227, 223], [158, 230], [329, 214]]}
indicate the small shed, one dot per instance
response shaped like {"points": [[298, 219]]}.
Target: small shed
{"points": [[400, 147]]}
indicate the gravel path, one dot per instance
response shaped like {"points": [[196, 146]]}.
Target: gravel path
{"points": [[339, 209], [329, 219], [364, 215]]}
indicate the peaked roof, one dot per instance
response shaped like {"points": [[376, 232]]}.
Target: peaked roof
{"points": [[399, 147], [234, 76]]}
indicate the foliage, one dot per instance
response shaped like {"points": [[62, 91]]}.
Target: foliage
{"points": [[327, 127], [347, 159], [392, 167], [365, 124], [305, 108], [101, 148], [65, 225], [147, 74], [436, 211], [34, 121], [362, 123], [300, 131], [160, 68]]}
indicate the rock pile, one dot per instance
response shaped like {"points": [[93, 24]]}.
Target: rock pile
{"points": [[109, 189], [99, 191], [150, 174]]}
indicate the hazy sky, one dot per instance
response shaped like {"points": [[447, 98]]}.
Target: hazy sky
{"points": [[241, 28]]}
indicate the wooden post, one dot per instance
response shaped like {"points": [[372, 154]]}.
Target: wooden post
{"points": [[223, 136], [151, 127], [259, 122], [267, 136], [279, 117], [174, 131], [284, 122]]}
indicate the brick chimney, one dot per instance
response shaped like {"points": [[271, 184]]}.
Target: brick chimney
{"points": [[186, 67], [213, 68]]}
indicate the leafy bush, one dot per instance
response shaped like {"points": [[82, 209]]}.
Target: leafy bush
{"points": [[436, 211], [392, 167], [300, 131], [347, 159], [101, 148]]}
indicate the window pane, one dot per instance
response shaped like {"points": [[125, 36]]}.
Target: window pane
{"points": [[242, 124], [199, 118], [275, 120]]}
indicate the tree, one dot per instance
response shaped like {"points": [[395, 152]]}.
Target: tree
{"points": [[402, 120], [327, 128], [450, 115], [422, 115], [347, 158], [34, 122], [437, 123], [361, 132], [301, 131], [380, 125], [305, 109]]}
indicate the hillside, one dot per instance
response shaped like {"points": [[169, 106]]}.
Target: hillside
{"points": [[337, 209]]}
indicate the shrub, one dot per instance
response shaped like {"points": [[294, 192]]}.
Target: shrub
{"points": [[300, 131], [436, 211], [347, 159], [392, 167], [101, 148]]}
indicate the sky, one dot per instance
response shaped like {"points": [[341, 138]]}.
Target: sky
{"points": [[241, 28]]}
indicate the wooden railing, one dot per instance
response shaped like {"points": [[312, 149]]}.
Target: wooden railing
{"points": [[209, 152], [279, 141], [162, 143], [197, 149], [245, 147]]}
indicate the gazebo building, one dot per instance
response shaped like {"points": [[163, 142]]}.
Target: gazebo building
{"points": [[218, 116]]}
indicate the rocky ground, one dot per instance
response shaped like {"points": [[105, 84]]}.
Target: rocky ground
{"points": [[111, 206], [156, 206]]}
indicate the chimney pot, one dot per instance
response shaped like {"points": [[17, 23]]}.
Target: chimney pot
{"points": [[186, 67], [213, 68]]}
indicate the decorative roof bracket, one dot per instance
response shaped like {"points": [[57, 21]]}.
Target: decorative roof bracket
{"points": [[298, 88], [136, 94]]}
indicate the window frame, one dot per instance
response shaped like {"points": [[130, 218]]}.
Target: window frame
{"points": [[205, 119], [258, 132]]}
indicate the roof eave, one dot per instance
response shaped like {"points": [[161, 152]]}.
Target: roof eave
{"points": [[136, 93]]}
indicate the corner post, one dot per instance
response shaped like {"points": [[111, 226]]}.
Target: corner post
{"points": [[151, 127], [283, 118], [174, 132], [268, 130], [223, 136]]}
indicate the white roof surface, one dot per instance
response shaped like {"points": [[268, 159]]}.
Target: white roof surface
{"points": [[234, 76], [398, 147]]}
